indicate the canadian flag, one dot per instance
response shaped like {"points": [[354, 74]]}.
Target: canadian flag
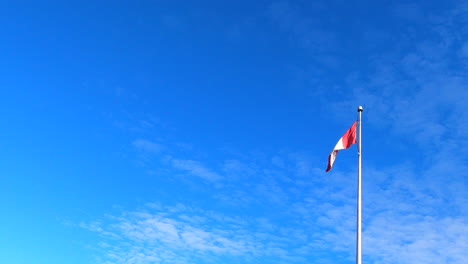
{"points": [[345, 142]]}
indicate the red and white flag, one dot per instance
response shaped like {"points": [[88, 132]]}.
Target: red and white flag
{"points": [[345, 142]]}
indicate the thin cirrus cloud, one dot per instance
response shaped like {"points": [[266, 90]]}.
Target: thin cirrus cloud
{"points": [[181, 231], [416, 89], [401, 215], [192, 167], [147, 146], [195, 168]]}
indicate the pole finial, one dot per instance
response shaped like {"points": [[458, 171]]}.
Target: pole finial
{"points": [[360, 109]]}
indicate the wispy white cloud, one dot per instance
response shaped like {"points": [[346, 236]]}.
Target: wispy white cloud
{"points": [[416, 239], [416, 91], [147, 146], [402, 219], [195, 168], [172, 235]]}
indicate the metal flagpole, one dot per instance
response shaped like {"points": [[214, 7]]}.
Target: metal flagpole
{"points": [[359, 185]]}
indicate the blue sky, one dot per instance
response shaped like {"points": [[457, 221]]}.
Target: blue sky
{"points": [[198, 131]]}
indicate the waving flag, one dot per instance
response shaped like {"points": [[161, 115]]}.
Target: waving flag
{"points": [[345, 142]]}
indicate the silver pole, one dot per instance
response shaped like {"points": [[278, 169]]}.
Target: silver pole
{"points": [[359, 185]]}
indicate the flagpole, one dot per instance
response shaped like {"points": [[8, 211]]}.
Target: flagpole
{"points": [[359, 185]]}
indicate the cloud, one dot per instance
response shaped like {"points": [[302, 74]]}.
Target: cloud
{"points": [[170, 235], [403, 220], [147, 146], [416, 91], [416, 239], [195, 168]]}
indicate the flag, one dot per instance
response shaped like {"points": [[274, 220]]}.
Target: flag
{"points": [[345, 142]]}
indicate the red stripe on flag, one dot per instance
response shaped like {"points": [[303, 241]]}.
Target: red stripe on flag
{"points": [[348, 139]]}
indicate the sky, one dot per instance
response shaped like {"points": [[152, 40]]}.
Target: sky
{"points": [[197, 132]]}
